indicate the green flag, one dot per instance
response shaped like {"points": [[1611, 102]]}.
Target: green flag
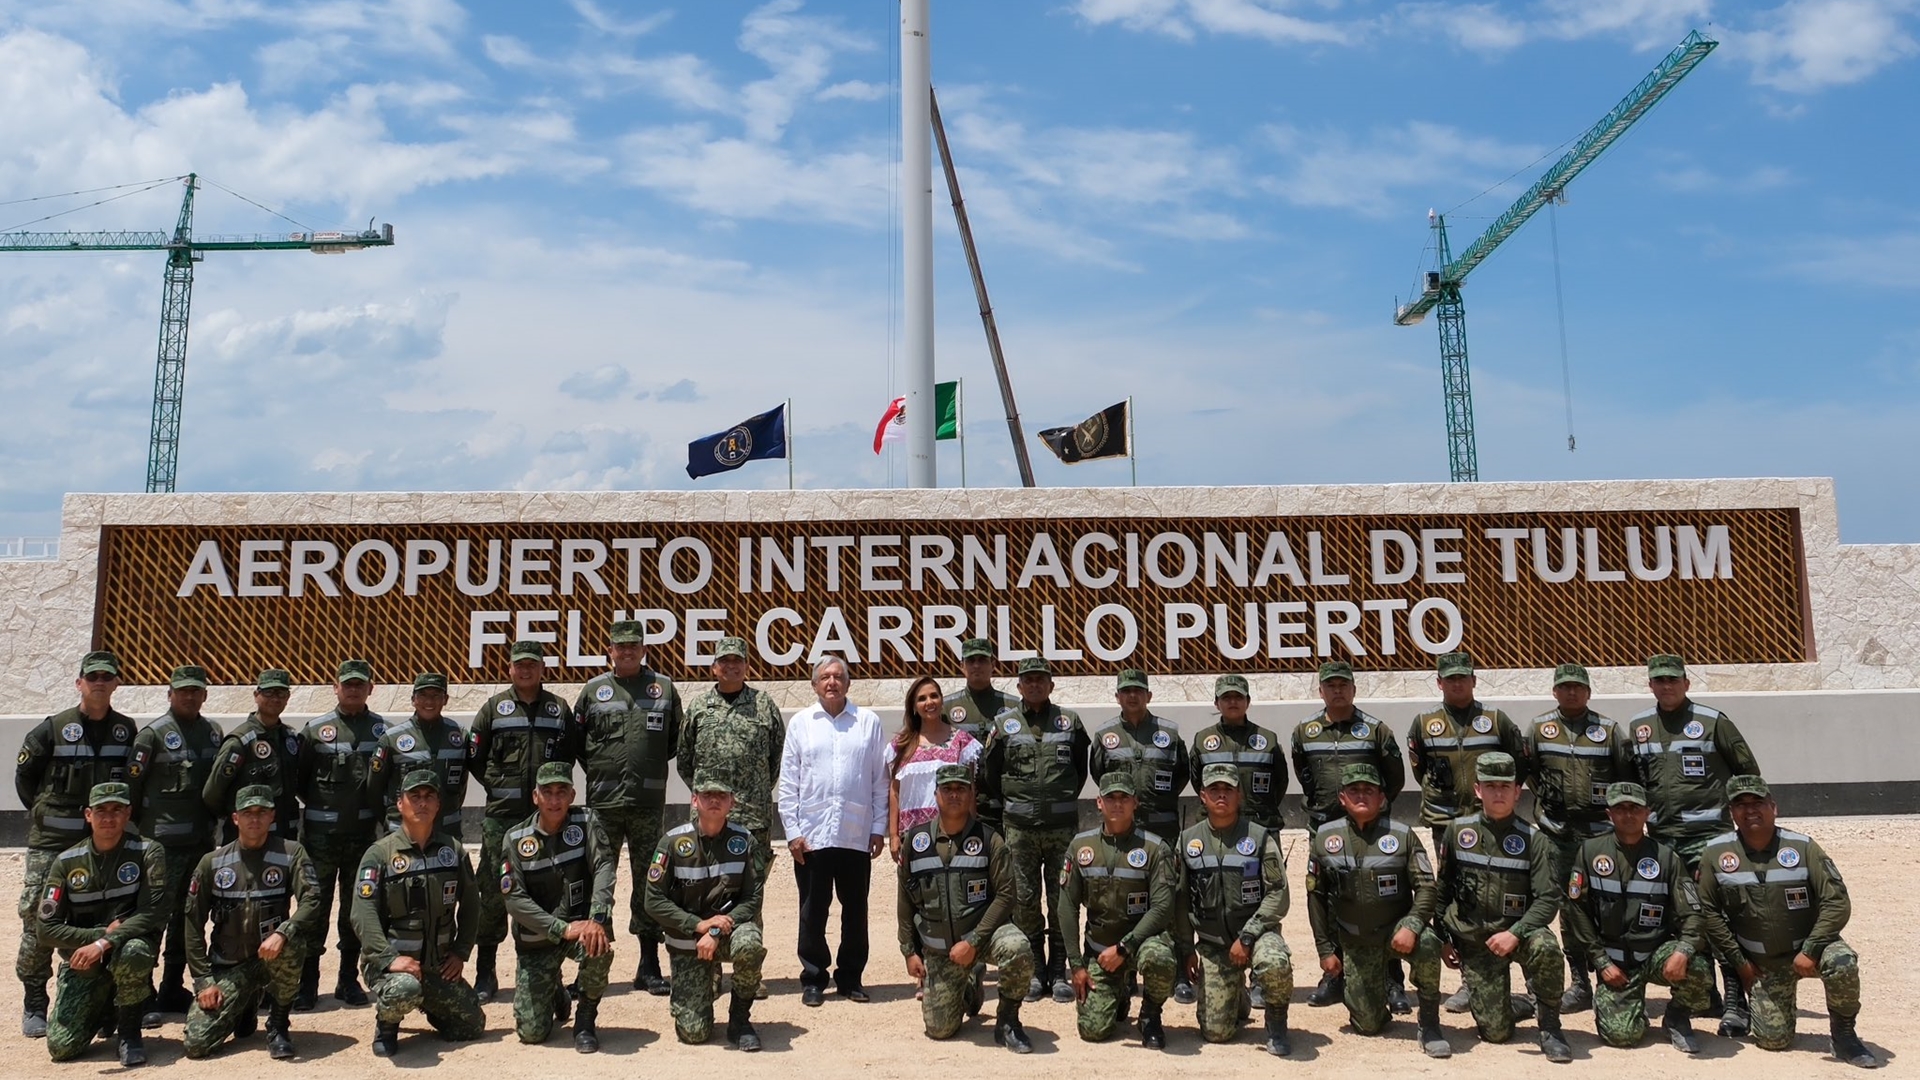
{"points": [[946, 410]]}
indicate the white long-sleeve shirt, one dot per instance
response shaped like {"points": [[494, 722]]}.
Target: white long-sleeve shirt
{"points": [[833, 778]]}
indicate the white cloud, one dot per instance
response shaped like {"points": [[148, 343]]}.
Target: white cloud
{"points": [[1697, 179], [1268, 20], [604, 21], [1806, 45], [743, 178], [1889, 260], [1332, 169]]}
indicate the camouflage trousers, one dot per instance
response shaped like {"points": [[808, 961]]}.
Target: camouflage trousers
{"points": [[537, 981], [1365, 966], [639, 828], [493, 861], [1620, 1016], [83, 1001], [33, 963], [1772, 997], [1489, 980], [336, 858], [1154, 962], [451, 1007], [1223, 1003], [180, 863], [953, 992], [695, 981], [240, 988], [1038, 855]]}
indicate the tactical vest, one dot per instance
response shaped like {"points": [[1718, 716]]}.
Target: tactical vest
{"points": [[1369, 874], [1224, 881], [702, 875], [255, 754], [1039, 782], [441, 749], [251, 897], [1116, 873], [418, 895], [1151, 755], [1447, 749], [736, 742], [170, 764], [974, 714], [88, 888], [948, 881], [79, 754], [1492, 874], [555, 872], [1572, 765], [1767, 898], [628, 738], [1331, 747], [1255, 751], [1628, 894], [515, 740], [1684, 773], [339, 748]]}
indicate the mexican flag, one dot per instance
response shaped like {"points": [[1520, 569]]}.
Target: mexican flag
{"points": [[946, 404]]}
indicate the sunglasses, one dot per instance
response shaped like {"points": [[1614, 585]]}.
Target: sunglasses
{"points": [[99, 676]]}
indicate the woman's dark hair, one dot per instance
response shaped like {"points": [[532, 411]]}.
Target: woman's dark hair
{"points": [[909, 734]]}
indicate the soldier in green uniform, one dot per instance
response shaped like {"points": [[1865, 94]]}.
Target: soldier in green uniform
{"points": [[263, 898], [1774, 899], [171, 762], [1572, 755], [630, 719], [1254, 750], [1497, 897], [261, 751], [61, 760], [1370, 896], [956, 913], [1128, 879], [103, 907], [973, 707], [1235, 896], [1633, 914], [430, 740], [559, 887], [415, 913], [1326, 743], [733, 734], [518, 730], [339, 819], [1034, 766], [704, 889]]}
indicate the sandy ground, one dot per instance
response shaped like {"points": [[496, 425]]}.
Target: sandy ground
{"points": [[885, 1038]]}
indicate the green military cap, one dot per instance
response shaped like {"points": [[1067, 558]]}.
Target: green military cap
{"points": [[429, 680], [553, 772], [1625, 791], [977, 647], [1220, 772], [624, 632], [709, 784], [1117, 782], [1666, 666], [1359, 774], [952, 774], [1571, 673], [730, 646], [188, 677], [527, 650], [110, 792], [1131, 679], [1496, 766], [253, 795], [1336, 669], [273, 678], [354, 669], [1455, 663], [99, 660], [1748, 784], [420, 778], [1035, 665], [1231, 684]]}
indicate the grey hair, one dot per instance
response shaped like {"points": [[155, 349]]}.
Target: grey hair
{"points": [[830, 660]]}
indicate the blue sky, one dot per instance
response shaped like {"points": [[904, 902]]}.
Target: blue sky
{"points": [[624, 225]]}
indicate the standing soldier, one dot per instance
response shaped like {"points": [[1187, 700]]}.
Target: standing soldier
{"points": [[559, 886], [630, 719], [1633, 914], [104, 907], [704, 889], [426, 740], [1774, 899], [263, 898], [414, 911], [1129, 882], [1252, 749], [339, 820], [972, 709], [61, 760], [518, 730], [1497, 897], [1326, 743], [263, 751], [1370, 897], [1235, 897], [956, 912], [1034, 766], [171, 762], [1572, 755]]}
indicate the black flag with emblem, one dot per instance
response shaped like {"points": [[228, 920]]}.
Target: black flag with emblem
{"points": [[1102, 435]]}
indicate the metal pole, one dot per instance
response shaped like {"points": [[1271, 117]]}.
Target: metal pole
{"points": [[916, 236], [789, 426], [960, 424], [1133, 459]]}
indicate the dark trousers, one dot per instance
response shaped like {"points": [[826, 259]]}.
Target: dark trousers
{"points": [[827, 873]]}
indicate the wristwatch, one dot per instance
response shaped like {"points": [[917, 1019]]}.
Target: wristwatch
{"points": [[713, 932], [1247, 940], [603, 920]]}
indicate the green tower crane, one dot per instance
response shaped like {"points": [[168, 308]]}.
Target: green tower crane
{"points": [[1442, 286], [183, 250]]}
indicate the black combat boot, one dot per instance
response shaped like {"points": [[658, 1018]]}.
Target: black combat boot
{"points": [[1678, 1024], [308, 996], [1151, 1036], [650, 977], [586, 1038], [1332, 988], [1552, 1044], [1847, 1045], [33, 1015], [1279, 1044], [740, 1031], [1734, 1019], [1183, 991], [279, 1035], [562, 1007], [1433, 1041], [248, 1020], [173, 996], [133, 1049], [1007, 1030], [386, 1038], [346, 989], [150, 1015], [1062, 984], [486, 983], [1579, 995], [1398, 1003]]}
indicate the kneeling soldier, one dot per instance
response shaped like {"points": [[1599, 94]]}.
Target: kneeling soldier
{"points": [[1773, 898], [415, 913], [263, 897], [956, 897], [1633, 915], [1129, 882], [103, 907], [559, 886], [704, 891]]}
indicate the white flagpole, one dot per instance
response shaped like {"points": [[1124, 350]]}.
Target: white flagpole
{"points": [[960, 424], [916, 232], [1133, 459], [789, 427]]}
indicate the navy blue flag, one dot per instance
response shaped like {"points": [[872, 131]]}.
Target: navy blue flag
{"points": [[754, 439]]}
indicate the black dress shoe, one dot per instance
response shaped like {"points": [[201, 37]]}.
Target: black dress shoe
{"points": [[856, 994], [812, 997]]}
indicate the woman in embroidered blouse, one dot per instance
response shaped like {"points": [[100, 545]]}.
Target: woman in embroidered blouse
{"points": [[924, 743]]}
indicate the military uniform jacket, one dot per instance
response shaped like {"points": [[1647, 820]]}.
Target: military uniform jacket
{"points": [[740, 742], [1769, 904], [256, 754], [413, 743], [88, 890], [1569, 765], [1685, 761], [630, 728], [416, 900], [508, 743], [555, 879], [335, 752], [1035, 764], [1623, 903], [1494, 876], [953, 888], [694, 877], [1442, 747], [61, 760], [973, 712], [1156, 759], [1255, 751], [1130, 886], [1236, 883], [1321, 748], [166, 774], [1367, 884], [249, 896]]}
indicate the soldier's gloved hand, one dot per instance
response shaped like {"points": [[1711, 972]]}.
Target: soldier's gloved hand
{"points": [[1331, 965], [1616, 978], [211, 998], [1404, 941], [1675, 968], [916, 967], [270, 949], [1082, 982], [1806, 966], [1111, 960], [962, 953], [1502, 944]]}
